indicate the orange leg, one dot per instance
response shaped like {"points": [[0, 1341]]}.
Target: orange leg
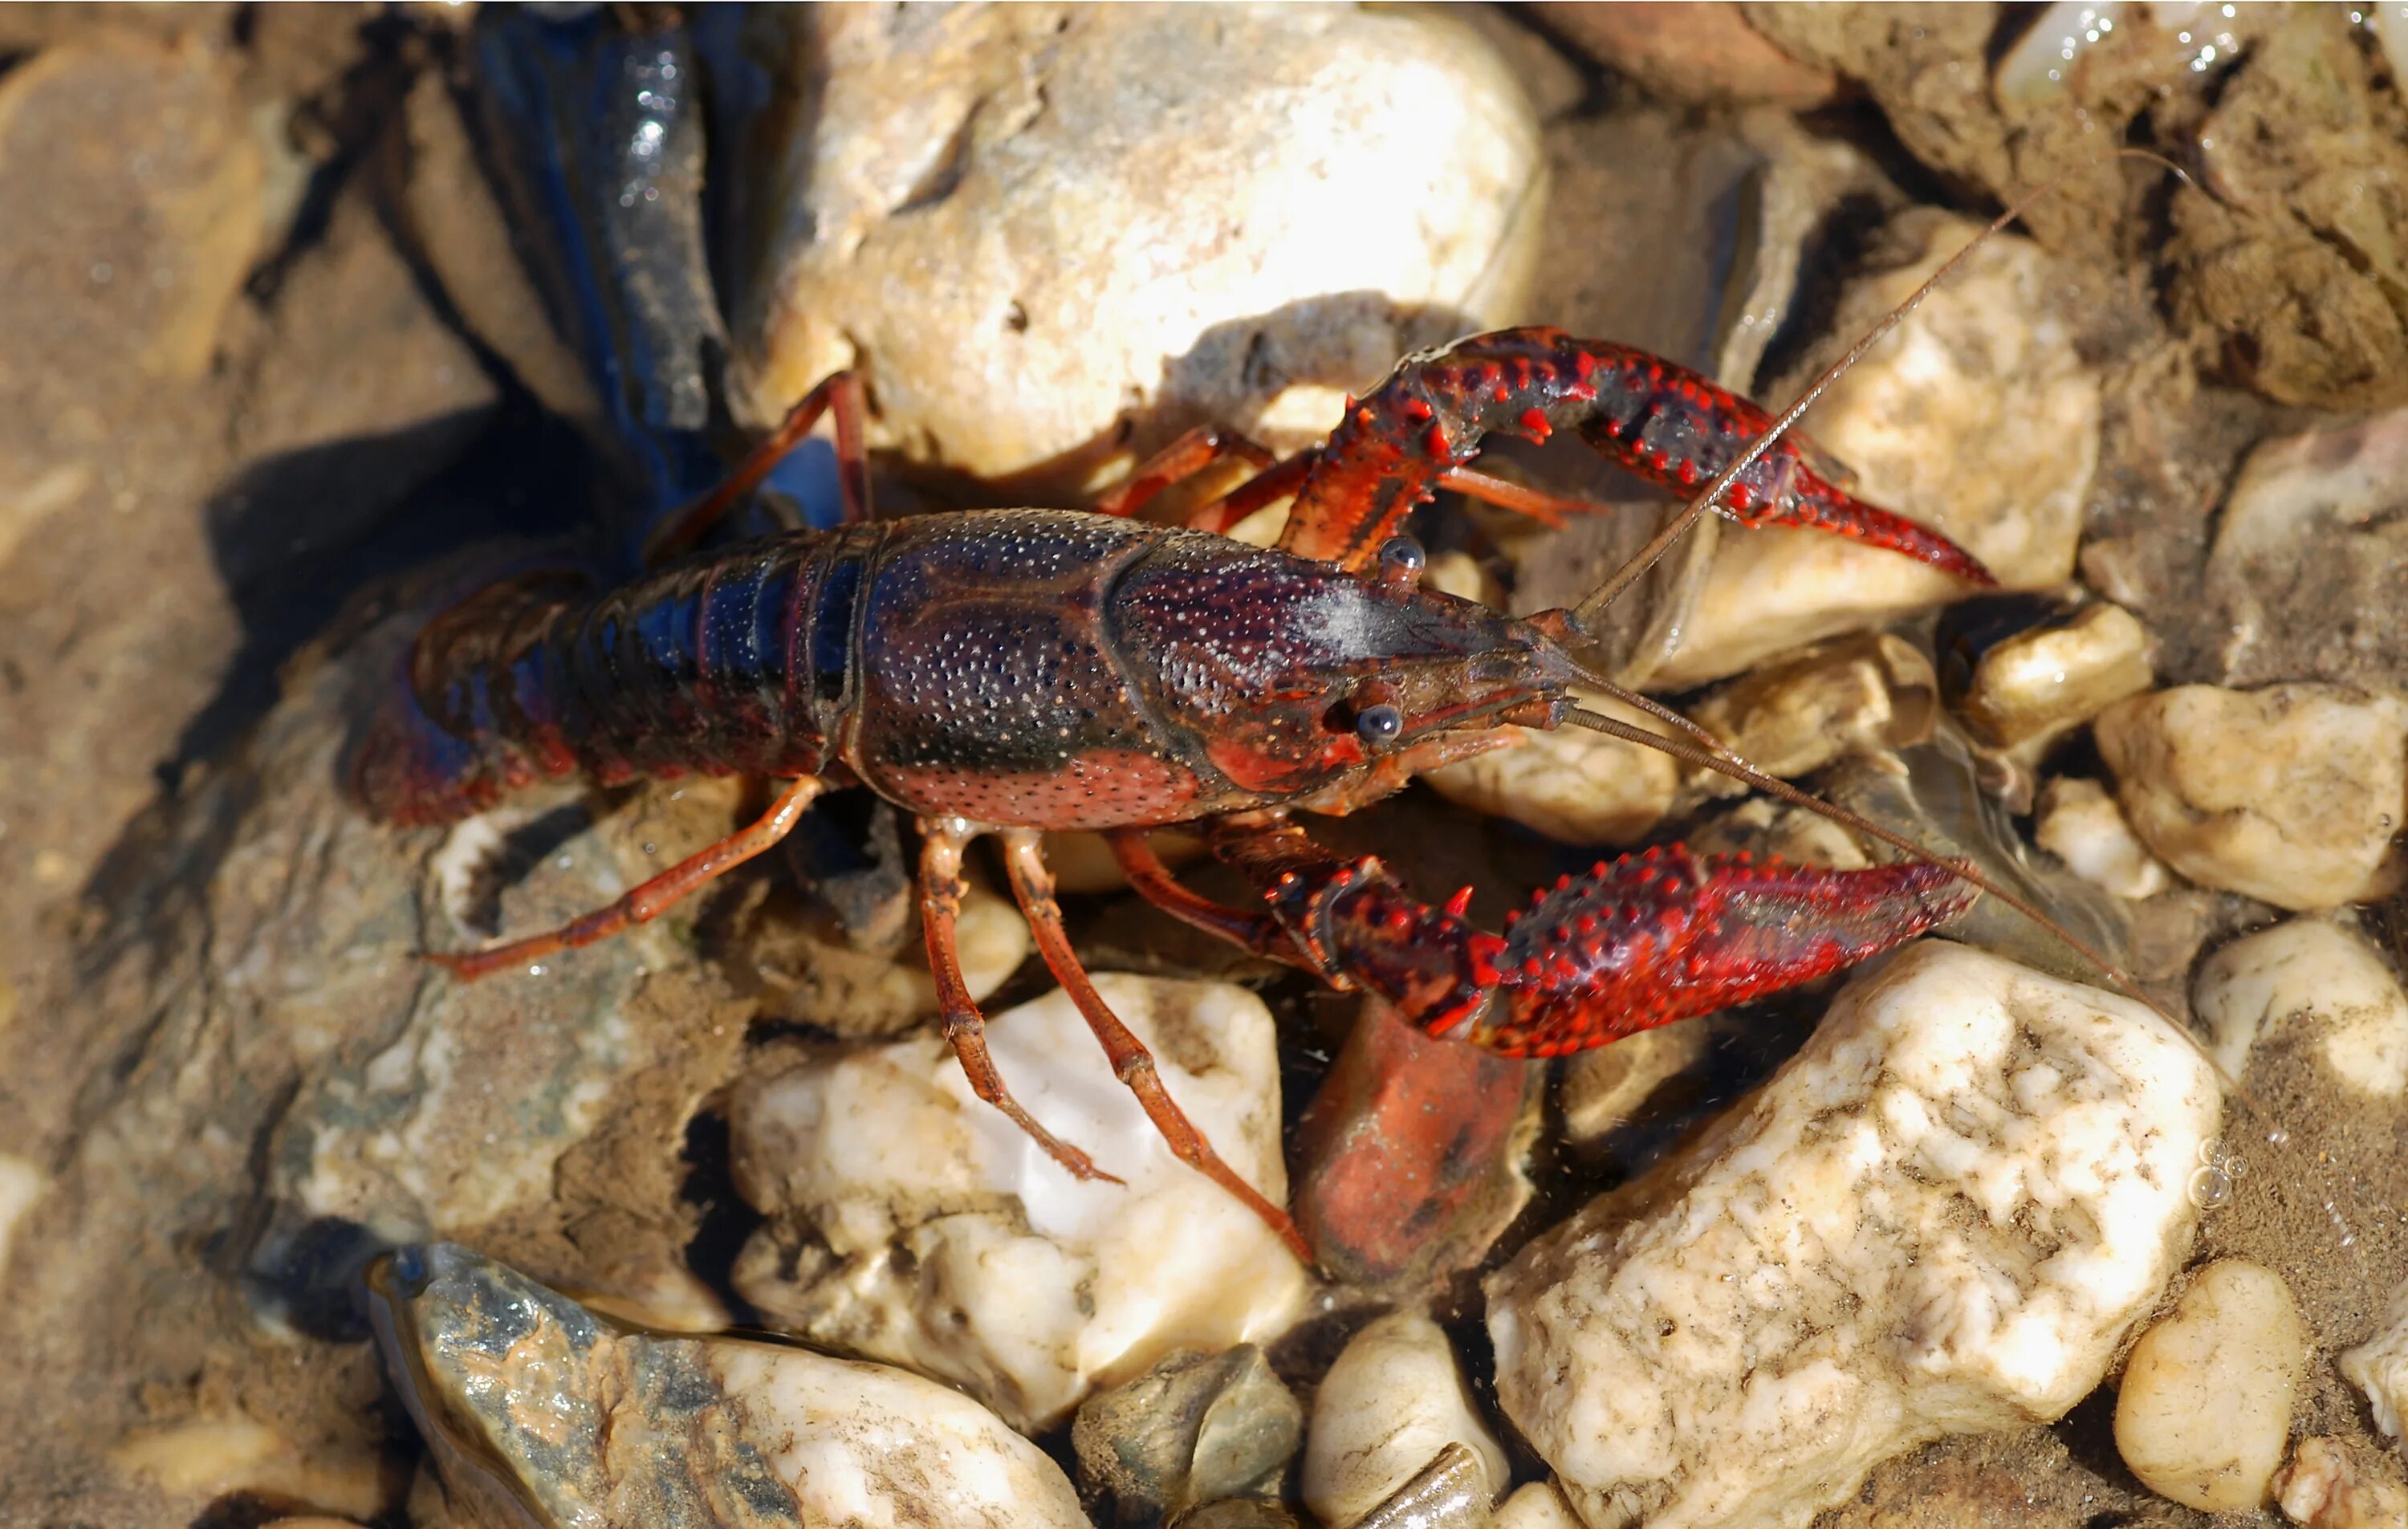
{"points": [[648, 901], [1033, 885], [840, 391], [1183, 459], [1258, 932], [1552, 510], [941, 904]]}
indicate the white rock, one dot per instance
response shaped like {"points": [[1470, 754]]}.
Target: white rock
{"points": [[2040, 684], [2313, 972], [1391, 1401], [2290, 794], [2379, 1366], [1942, 1217], [1570, 783], [913, 1222], [2082, 825], [1536, 1505], [993, 209], [1790, 719], [2205, 1403], [1977, 418], [2323, 1488]]}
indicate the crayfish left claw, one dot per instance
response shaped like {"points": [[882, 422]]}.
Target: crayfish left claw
{"points": [[1636, 943]]}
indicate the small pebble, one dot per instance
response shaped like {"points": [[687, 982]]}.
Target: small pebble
{"points": [[2082, 825], [2308, 971], [1536, 1505], [2379, 1366], [2205, 1403], [1393, 1400], [2041, 683], [2302, 818], [2323, 1488]]}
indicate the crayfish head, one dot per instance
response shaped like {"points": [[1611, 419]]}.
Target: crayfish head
{"points": [[1303, 684]]}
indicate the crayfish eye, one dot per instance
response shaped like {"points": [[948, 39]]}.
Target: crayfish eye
{"points": [[1379, 723], [1402, 560]]}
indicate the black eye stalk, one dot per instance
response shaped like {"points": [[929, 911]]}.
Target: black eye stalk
{"points": [[1379, 723]]}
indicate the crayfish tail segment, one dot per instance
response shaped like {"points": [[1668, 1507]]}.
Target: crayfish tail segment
{"points": [[1661, 422], [1638, 942]]}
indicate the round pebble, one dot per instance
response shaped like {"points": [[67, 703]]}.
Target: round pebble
{"points": [[2206, 1400]]}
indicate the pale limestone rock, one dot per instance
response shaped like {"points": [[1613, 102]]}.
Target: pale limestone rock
{"points": [[1978, 418], [2290, 794], [1536, 1505], [913, 1223], [2082, 825], [2323, 1488], [2379, 1366], [1570, 783], [991, 210], [2040, 684], [2205, 1403], [230, 1453], [2309, 971], [1942, 1217], [525, 1395], [1854, 695], [21, 1182], [1394, 1399]]}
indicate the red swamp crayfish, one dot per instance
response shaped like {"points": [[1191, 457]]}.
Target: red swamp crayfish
{"points": [[1010, 672]]}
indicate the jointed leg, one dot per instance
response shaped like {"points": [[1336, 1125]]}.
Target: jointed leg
{"points": [[649, 900], [840, 391], [1183, 459], [940, 905], [1258, 932], [1033, 885]]}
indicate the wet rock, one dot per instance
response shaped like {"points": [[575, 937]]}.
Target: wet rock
{"points": [[1196, 1428], [1022, 186], [1412, 1156], [2379, 1366], [1238, 1513], [1978, 418], [913, 1222], [2303, 818], [1603, 1090], [1854, 695], [1570, 783], [2292, 250], [1885, 1246], [2326, 1487], [2048, 680], [529, 1400], [2205, 1403], [2309, 973], [2082, 825], [1391, 1402], [1697, 54], [2310, 566], [1452, 1492]]}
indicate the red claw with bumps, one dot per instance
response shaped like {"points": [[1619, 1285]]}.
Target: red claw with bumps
{"points": [[1637, 942], [1401, 442]]}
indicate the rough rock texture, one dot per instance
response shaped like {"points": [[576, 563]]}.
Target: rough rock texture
{"points": [[913, 1222], [2326, 1486], [2379, 1366], [2310, 565], [2313, 974], [1942, 1216], [1016, 224], [2303, 818], [593, 1424], [1978, 418], [2204, 1406], [1393, 1400], [1569, 783], [1695, 53]]}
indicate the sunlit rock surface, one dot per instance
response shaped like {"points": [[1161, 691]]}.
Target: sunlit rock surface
{"points": [[913, 1223], [1942, 1216]]}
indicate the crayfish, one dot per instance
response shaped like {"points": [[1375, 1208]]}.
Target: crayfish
{"points": [[1010, 672]]}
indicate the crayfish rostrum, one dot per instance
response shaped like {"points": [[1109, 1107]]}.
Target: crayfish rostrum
{"points": [[1010, 672]]}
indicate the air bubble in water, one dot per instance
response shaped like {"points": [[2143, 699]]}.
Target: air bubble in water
{"points": [[2210, 1188]]}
